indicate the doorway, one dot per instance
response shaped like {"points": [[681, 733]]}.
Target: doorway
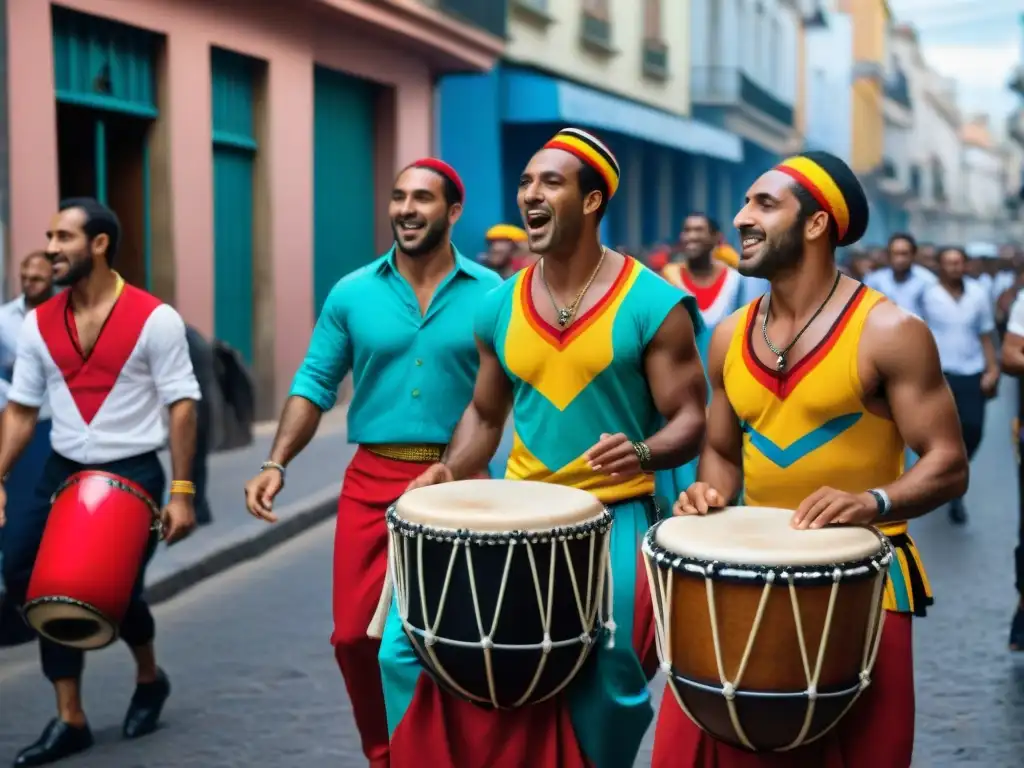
{"points": [[105, 155]]}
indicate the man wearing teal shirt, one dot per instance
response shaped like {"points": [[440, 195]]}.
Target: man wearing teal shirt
{"points": [[403, 326]]}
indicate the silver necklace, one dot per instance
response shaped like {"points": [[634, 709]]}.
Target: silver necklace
{"points": [[780, 362], [567, 313]]}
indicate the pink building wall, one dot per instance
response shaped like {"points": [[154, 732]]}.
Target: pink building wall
{"points": [[290, 37]]}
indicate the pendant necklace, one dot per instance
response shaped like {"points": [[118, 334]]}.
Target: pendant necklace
{"points": [[567, 313], [780, 354]]}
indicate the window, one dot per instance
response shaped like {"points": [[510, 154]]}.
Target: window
{"points": [[596, 8], [652, 20]]}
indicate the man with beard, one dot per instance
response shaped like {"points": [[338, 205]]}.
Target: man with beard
{"points": [[108, 357], [504, 249], [903, 281], [596, 357], [816, 388], [403, 326]]}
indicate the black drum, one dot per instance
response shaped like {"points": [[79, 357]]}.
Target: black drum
{"points": [[500, 585]]}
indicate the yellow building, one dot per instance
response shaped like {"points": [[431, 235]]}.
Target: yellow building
{"points": [[871, 20]]}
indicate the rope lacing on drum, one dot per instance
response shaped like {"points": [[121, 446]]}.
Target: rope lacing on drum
{"points": [[587, 608]]}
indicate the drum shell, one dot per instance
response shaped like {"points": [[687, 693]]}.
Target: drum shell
{"points": [[519, 623], [95, 542], [775, 664]]}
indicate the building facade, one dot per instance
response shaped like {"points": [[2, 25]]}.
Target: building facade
{"points": [[617, 67], [248, 148], [827, 79]]}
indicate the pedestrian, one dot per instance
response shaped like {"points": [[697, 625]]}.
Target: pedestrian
{"points": [[505, 254], [200, 352], [1013, 365], [958, 311], [403, 326], [902, 281], [592, 352], [106, 357], [36, 287], [844, 378]]}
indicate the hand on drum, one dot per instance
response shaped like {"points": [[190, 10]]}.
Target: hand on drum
{"points": [[435, 474], [697, 500], [260, 493], [614, 455], [827, 506], [178, 518]]}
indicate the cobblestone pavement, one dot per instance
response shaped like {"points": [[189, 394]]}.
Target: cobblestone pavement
{"points": [[256, 686]]}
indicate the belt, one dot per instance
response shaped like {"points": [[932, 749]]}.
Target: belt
{"points": [[418, 452]]}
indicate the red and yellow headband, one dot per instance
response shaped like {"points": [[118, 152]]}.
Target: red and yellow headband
{"points": [[590, 150], [823, 188]]}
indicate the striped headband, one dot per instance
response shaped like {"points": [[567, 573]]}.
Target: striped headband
{"points": [[590, 150], [441, 167], [822, 187]]}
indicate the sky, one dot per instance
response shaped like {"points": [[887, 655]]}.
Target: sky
{"points": [[977, 42]]}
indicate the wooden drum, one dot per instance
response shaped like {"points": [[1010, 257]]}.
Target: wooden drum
{"points": [[500, 585], [767, 634]]}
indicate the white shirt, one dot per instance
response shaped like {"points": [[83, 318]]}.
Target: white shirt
{"points": [[12, 315], [107, 406], [958, 325], [905, 294]]}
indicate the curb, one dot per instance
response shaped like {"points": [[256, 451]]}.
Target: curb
{"points": [[294, 519]]}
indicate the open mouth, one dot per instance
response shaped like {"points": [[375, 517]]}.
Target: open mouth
{"points": [[411, 226], [750, 244], [537, 220]]}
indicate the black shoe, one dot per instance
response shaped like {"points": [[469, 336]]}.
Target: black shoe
{"points": [[957, 513], [147, 704], [59, 740], [1017, 631]]}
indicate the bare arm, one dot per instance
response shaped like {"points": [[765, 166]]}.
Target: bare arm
{"points": [[721, 461], [1013, 355], [907, 361], [182, 429], [478, 432], [299, 421], [19, 422], [989, 348], [676, 379]]}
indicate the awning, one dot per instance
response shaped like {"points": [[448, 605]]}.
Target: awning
{"points": [[531, 97]]}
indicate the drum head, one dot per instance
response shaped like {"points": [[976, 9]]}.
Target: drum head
{"points": [[498, 505], [70, 623], [763, 536]]}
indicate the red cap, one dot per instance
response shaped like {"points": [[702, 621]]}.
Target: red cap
{"points": [[441, 167]]}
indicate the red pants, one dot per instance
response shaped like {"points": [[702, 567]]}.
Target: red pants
{"points": [[877, 733], [372, 483]]}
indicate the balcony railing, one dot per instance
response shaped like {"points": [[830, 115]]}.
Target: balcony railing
{"points": [[490, 16], [655, 59], [897, 89], [730, 87], [595, 32]]}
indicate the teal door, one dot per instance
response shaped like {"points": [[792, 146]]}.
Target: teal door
{"points": [[345, 200], [234, 156]]}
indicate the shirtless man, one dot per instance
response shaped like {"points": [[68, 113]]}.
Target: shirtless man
{"points": [[816, 389]]}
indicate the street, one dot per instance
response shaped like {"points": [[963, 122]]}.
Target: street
{"points": [[255, 682]]}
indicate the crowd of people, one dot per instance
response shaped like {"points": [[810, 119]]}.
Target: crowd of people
{"points": [[771, 376]]}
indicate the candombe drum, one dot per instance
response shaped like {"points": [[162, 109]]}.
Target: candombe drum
{"points": [[767, 634], [95, 541], [500, 585]]}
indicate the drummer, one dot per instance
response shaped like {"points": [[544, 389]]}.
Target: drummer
{"points": [[106, 357], [402, 325], [816, 389], [595, 351]]}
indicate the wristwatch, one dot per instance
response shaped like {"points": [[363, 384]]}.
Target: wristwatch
{"points": [[883, 501]]}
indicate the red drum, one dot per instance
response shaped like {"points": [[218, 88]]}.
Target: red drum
{"points": [[94, 544]]}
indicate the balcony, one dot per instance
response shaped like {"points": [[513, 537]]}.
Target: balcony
{"points": [[868, 70], [655, 60], [731, 89], [490, 16], [897, 89], [595, 33]]}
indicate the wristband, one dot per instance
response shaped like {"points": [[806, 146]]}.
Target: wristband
{"points": [[273, 465], [643, 453], [183, 486], [883, 501]]}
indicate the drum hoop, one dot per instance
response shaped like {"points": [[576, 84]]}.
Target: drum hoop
{"points": [[115, 482], [598, 525], [741, 693], [805, 575], [115, 629]]}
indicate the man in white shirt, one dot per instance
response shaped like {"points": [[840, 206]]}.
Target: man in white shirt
{"points": [[902, 281], [1013, 365], [36, 287], [108, 357], [959, 313]]}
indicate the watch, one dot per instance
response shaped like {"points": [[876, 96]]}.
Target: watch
{"points": [[883, 501]]}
